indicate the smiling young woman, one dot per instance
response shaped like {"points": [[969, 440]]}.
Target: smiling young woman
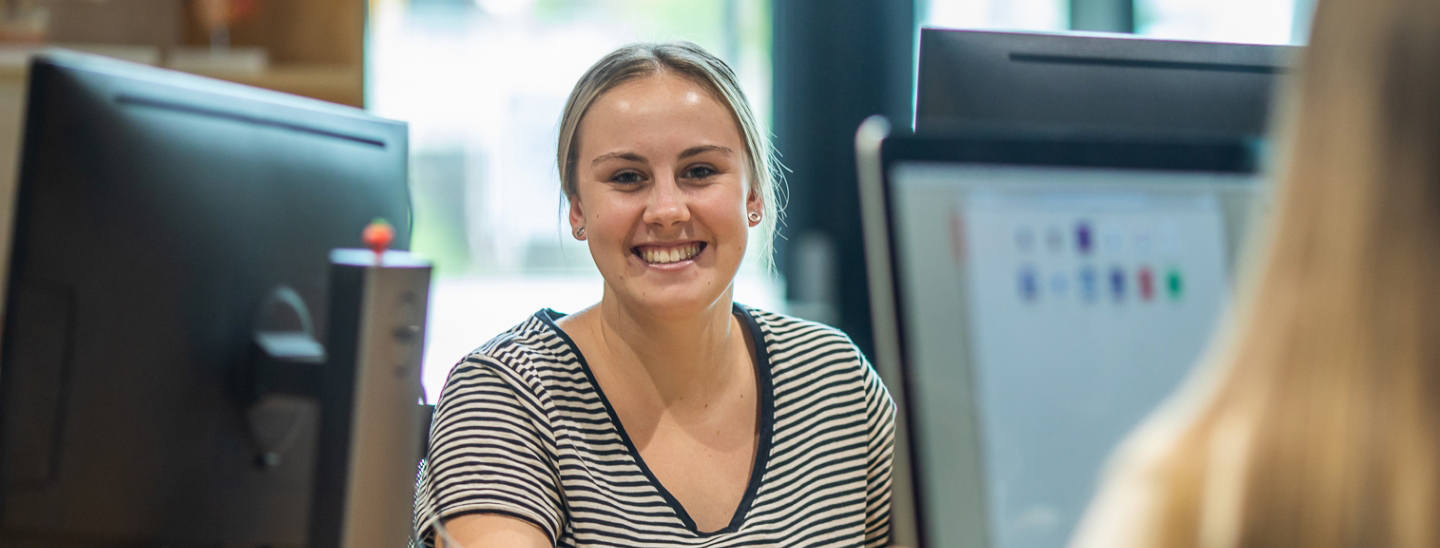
{"points": [[665, 414]]}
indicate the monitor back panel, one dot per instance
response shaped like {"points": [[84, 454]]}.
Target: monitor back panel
{"points": [[155, 213], [970, 79]]}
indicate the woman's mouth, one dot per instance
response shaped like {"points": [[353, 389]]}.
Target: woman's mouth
{"points": [[668, 254]]}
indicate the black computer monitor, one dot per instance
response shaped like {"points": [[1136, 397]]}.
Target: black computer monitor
{"points": [[156, 213], [972, 79]]}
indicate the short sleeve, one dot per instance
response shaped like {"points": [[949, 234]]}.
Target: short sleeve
{"points": [[880, 455], [491, 451]]}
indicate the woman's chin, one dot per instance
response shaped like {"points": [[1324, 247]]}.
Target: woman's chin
{"points": [[676, 298]]}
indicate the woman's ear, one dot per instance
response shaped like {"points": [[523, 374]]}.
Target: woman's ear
{"points": [[577, 217], [754, 203]]}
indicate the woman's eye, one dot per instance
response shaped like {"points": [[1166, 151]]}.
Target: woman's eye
{"points": [[699, 172], [626, 177]]}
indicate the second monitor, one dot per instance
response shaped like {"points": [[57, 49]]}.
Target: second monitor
{"points": [[1036, 298], [984, 79]]}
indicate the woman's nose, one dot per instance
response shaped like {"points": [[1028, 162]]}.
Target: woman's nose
{"points": [[667, 203]]}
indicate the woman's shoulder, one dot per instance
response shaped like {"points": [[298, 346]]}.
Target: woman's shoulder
{"points": [[784, 325], [789, 338], [1131, 493], [530, 347]]}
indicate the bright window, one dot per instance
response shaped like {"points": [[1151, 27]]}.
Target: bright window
{"points": [[1036, 15], [1252, 21], [1246, 21]]}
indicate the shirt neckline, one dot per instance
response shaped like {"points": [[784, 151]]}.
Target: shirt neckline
{"points": [[762, 446]]}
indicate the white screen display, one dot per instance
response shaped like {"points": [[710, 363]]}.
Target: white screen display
{"points": [[1046, 312]]}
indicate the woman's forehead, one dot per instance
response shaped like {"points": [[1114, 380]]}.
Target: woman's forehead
{"points": [[654, 94], [663, 108]]}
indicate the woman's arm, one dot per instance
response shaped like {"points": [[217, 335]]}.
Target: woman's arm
{"points": [[880, 455], [491, 456], [492, 530]]}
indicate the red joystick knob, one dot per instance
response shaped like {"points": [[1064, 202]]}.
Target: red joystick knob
{"points": [[378, 235]]}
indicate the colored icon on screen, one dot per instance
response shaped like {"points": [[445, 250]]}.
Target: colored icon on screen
{"points": [[1084, 238], [1145, 282], [1174, 284], [1029, 286], [1089, 284], [1117, 284]]}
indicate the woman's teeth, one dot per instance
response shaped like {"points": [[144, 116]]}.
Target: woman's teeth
{"points": [[668, 255]]}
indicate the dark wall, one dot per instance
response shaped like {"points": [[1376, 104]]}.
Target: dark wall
{"points": [[836, 62]]}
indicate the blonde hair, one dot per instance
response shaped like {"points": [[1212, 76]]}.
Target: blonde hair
{"points": [[692, 62], [1320, 423]]}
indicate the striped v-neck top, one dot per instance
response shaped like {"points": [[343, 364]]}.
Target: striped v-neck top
{"points": [[522, 429]]}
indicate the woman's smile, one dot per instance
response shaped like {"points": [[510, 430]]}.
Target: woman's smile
{"points": [[672, 256]]}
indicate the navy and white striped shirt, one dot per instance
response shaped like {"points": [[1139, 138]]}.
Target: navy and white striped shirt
{"points": [[522, 429]]}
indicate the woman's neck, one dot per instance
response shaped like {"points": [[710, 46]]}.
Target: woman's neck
{"points": [[680, 361]]}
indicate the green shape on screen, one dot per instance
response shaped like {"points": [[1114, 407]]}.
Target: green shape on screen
{"points": [[1174, 283]]}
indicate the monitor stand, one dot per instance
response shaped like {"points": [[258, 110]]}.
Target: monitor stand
{"points": [[368, 388]]}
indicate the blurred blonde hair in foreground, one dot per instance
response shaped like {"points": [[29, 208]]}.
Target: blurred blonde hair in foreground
{"points": [[1316, 421]]}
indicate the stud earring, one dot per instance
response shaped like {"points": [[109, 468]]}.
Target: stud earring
{"points": [[580, 233], [754, 216]]}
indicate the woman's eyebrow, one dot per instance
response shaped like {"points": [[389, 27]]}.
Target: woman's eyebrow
{"points": [[628, 156], [705, 148]]}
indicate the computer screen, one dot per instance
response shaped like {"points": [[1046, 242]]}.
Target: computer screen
{"points": [[157, 214], [1043, 310], [1089, 82]]}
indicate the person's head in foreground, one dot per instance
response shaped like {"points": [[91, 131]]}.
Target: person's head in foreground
{"points": [[664, 415], [1317, 423]]}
